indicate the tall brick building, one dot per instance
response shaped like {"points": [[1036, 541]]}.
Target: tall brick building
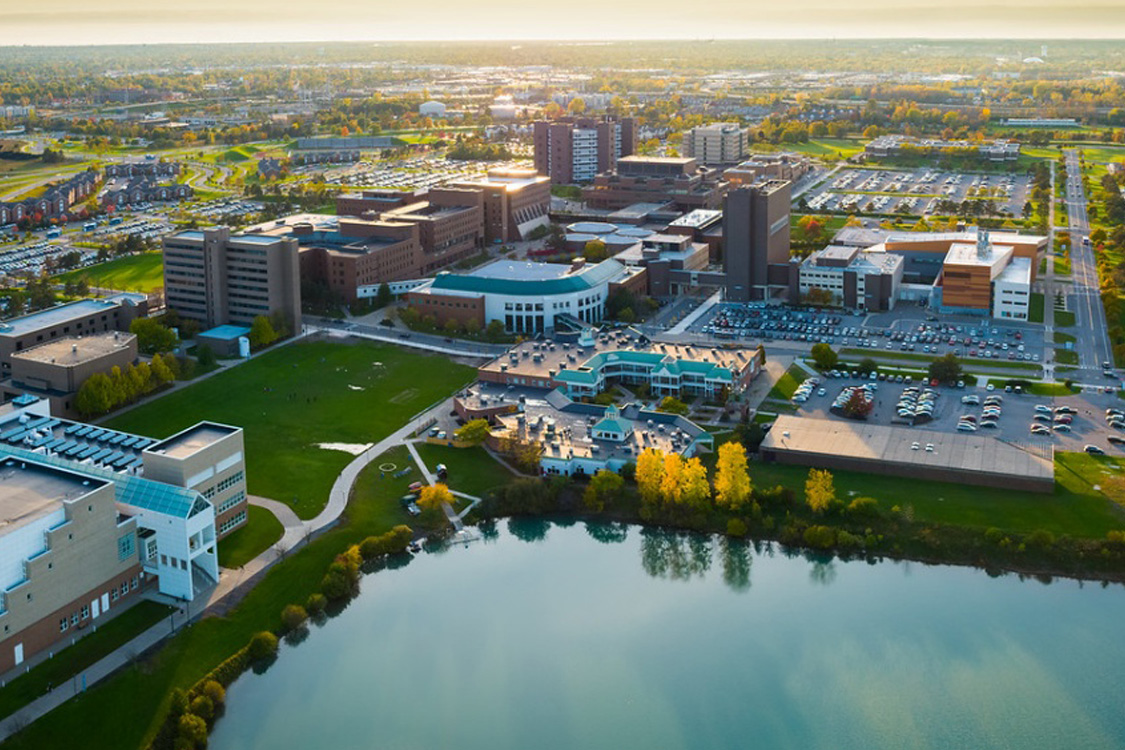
{"points": [[575, 149]]}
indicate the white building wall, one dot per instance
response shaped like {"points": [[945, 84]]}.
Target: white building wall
{"points": [[24, 543], [1010, 301]]}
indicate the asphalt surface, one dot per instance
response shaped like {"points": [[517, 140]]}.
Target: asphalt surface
{"points": [[1093, 344]]}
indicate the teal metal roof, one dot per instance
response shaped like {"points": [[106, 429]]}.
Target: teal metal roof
{"points": [[587, 278], [139, 492], [587, 372]]}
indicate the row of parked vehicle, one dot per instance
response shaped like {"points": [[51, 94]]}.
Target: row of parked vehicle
{"points": [[1047, 420], [806, 389], [990, 413], [917, 404]]}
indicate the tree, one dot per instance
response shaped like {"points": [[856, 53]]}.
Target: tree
{"points": [[293, 616], [732, 480], [383, 296], [595, 251], [262, 646], [604, 486], [494, 331], [95, 396], [650, 474], [432, 500], [205, 355], [868, 365], [193, 729], [811, 226], [262, 333], [672, 481], [819, 297], [673, 405], [824, 358], [820, 492], [474, 431], [695, 490], [162, 372], [945, 369], [858, 406]]}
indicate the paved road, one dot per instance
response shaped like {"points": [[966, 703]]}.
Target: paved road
{"points": [[1093, 344]]}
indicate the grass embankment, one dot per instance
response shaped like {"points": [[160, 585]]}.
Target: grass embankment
{"points": [[133, 273], [124, 712], [966, 362], [787, 384], [471, 470], [1035, 306], [72, 660], [298, 396], [260, 531]]}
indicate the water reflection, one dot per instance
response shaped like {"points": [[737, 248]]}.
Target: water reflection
{"points": [[675, 556], [736, 563], [608, 533], [529, 529]]}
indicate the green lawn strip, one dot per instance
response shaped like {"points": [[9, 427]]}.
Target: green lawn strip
{"points": [[125, 711], [260, 531], [1064, 338], [297, 396], [966, 362], [785, 386], [1062, 265], [72, 660], [1064, 318], [1066, 356], [135, 273], [471, 470], [1035, 387], [1035, 305]]}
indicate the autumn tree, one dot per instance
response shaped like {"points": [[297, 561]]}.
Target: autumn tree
{"points": [[672, 481], [820, 491], [732, 480], [262, 332], [650, 475], [695, 490], [824, 358], [432, 500], [474, 431], [604, 486]]}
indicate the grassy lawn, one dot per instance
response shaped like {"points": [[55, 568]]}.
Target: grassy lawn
{"points": [[133, 273], [1066, 356], [72, 660], [967, 362], [260, 531], [1035, 307], [1064, 338], [785, 386], [1037, 388], [1064, 318], [124, 712], [838, 147], [1074, 508], [1062, 265], [471, 470], [293, 398]]}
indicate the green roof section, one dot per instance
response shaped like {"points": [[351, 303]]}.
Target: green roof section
{"points": [[612, 422], [588, 372]]}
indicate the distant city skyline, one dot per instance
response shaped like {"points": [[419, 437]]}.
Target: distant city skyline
{"points": [[69, 22]]}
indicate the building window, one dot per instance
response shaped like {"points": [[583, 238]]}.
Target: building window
{"points": [[85, 613], [124, 588], [127, 546], [233, 521], [63, 625], [136, 584]]}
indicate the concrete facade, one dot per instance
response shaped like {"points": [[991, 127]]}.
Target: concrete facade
{"points": [[755, 237]]}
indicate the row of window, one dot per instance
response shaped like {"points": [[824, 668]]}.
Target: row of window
{"points": [[83, 613], [233, 521], [173, 562], [231, 501]]}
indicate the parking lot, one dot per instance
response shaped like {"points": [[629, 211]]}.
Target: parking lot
{"points": [[906, 331], [918, 192], [1017, 413], [227, 208], [413, 174]]}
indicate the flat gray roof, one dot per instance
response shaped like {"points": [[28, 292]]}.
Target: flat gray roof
{"points": [[191, 440], [60, 314], [953, 451], [29, 490]]}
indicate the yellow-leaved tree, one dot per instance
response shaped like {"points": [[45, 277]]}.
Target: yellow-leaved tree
{"points": [[671, 484], [820, 491], [695, 490], [650, 473], [732, 479]]}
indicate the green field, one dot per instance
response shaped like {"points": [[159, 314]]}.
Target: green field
{"points": [[471, 470], [132, 273], [1064, 318], [260, 531], [1066, 356], [1102, 154], [838, 147], [966, 362], [295, 397]]}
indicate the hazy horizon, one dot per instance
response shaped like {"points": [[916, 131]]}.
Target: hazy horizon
{"points": [[68, 22]]}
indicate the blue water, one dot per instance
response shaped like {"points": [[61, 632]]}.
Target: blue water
{"points": [[546, 637]]}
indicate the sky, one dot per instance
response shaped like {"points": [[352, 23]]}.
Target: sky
{"points": [[66, 22]]}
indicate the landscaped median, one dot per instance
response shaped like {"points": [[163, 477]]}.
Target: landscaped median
{"points": [[966, 362]]}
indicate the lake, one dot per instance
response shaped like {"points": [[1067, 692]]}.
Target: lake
{"points": [[548, 636]]}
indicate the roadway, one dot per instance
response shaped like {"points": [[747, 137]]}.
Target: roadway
{"points": [[1093, 344]]}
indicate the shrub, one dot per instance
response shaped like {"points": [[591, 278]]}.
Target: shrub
{"points": [[293, 616], [203, 708], [183, 743], [228, 670], [316, 604], [263, 645], [847, 540], [736, 527], [993, 535], [1116, 537], [821, 537], [179, 705], [866, 507], [214, 691], [193, 729], [1040, 538]]}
